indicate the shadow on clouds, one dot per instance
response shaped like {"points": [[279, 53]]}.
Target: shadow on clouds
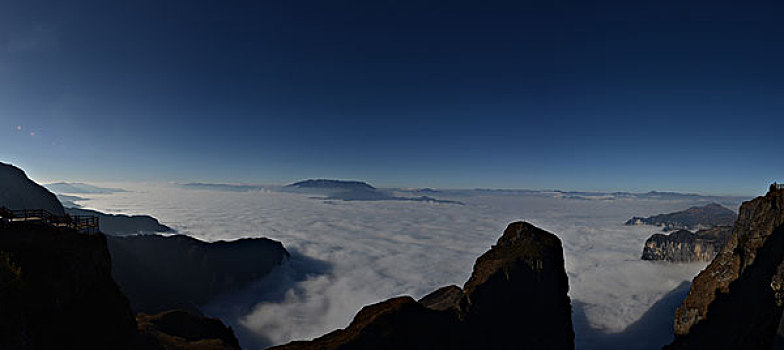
{"points": [[273, 288], [652, 331]]}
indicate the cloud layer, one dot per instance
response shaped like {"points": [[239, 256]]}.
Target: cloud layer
{"points": [[349, 254]]}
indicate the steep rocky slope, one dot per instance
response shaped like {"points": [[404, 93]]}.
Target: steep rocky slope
{"points": [[694, 218], [163, 272], [516, 298], [736, 302], [685, 246], [56, 292], [17, 191]]}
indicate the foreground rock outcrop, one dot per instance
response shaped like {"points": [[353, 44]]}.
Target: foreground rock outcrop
{"points": [[181, 329], [685, 246], [694, 218], [159, 273], [17, 191], [57, 292], [516, 298], [736, 302]]}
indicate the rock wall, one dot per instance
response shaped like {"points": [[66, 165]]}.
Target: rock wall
{"points": [[56, 291], [685, 246], [159, 273], [735, 303]]}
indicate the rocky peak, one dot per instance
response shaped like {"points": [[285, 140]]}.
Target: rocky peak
{"points": [[521, 242], [515, 298], [733, 303]]}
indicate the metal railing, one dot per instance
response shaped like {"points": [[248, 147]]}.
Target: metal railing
{"points": [[81, 223]]}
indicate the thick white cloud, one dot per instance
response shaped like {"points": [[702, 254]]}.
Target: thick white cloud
{"points": [[349, 254]]}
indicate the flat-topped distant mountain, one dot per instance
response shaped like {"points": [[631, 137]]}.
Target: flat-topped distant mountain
{"points": [[694, 218], [355, 191], [17, 191], [332, 184], [78, 187]]}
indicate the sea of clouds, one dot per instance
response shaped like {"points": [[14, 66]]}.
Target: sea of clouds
{"points": [[349, 254]]}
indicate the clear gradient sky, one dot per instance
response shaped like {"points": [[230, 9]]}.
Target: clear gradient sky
{"points": [[589, 95]]}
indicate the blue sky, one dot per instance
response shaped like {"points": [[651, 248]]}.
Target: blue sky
{"points": [[633, 96]]}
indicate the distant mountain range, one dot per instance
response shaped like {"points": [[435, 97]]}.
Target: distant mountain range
{"points": [[222, 187], [694, 218], [78, 187]]}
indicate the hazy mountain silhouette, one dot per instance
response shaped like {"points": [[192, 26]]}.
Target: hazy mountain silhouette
{"points": [[78, 187], [17, 191]]}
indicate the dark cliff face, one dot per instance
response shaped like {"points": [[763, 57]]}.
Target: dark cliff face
{"points": [[736, 302], [685, 246], [56, 291], [163, 272], [17, 191], [516, 298], [694, 218]]}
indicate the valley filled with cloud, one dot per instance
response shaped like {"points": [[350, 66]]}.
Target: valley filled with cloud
{"points": [[347, 254]]}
